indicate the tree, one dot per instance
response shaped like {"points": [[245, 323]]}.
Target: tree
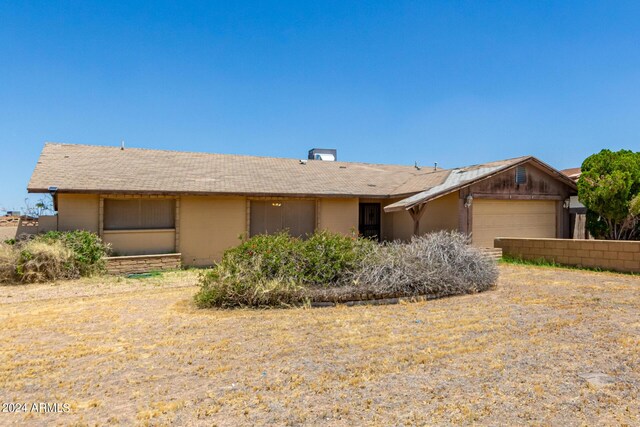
{"points": [[609, 186], [44, 206]]}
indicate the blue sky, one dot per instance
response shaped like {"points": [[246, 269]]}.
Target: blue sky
{"points": [[386, 82]]}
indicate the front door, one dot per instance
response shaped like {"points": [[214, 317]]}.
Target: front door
{"points": [[369, 225]]}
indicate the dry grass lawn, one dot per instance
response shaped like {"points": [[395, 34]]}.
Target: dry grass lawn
{"points": [[137, 352]]}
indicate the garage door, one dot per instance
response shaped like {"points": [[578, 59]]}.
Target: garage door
{"points": [[512, 218]]}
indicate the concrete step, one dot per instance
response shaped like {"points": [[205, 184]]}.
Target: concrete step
{"points": [[494, 253]]}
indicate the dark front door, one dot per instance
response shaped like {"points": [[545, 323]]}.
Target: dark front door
{"points": [[369, 225]]}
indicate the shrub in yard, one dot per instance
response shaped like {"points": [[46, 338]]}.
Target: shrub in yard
{"points": [[88, 249], [277, 268], [246, 286], [40, 261], [318, 260], [263, 257], [8, 263], [329, 256], [441, 263], [53, 255], [280, 270]]}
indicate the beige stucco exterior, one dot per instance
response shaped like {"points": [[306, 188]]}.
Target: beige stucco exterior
{"points": [[140, 242], [338, 215], [78, 212], [439, 214], [208, 226]]}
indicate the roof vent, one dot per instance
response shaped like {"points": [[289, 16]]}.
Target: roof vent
{"points": [[326, 154], [521, 175]]}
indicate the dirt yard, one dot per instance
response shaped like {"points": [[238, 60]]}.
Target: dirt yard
{"points": [[547, 347]]}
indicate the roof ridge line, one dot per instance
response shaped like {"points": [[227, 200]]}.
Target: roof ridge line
{"points": [[205, 153]]}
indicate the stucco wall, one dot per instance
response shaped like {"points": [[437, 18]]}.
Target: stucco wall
{"points": [[140, 242], [338, 215], [8, 233], [440, 214], [208, 226], [78, 212]]}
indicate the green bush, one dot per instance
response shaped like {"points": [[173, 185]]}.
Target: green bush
{"points": [[238, 291], [263, 257], [329, 256], [274, 266], [318, 260], [88, 249]]}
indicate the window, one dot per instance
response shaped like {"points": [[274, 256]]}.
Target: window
{"points": [[298, 217], [139, 214], [521, 175]]}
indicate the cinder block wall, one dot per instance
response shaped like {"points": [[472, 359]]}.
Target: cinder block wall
{"points": [[606, 254], [142, 263]]}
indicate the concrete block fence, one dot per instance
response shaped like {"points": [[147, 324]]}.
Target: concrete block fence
{"points": [[614, 255]]}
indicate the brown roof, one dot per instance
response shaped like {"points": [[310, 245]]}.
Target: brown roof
{"points": [[573, 173], [462, 177], [93, 169]]}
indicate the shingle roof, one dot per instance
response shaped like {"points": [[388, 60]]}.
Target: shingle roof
{"points": [[573, 173], [462, 177], [96, 169], [76, 168]]}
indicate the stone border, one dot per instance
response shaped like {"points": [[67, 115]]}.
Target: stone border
{"points": [[372, 300], [143, 263]]}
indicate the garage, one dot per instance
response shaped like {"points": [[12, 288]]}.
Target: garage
{"points": [[512, 218]]}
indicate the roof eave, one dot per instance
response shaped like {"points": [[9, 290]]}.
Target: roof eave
{"points": [[489, 175], [207, 193]]}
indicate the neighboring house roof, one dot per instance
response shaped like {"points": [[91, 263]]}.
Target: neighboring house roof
{"points": [[572, 173], [94, 169]]}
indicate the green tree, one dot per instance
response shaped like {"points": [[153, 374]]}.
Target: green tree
{"points": [[609, 187]]}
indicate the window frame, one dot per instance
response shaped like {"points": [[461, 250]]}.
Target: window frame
{"points": [[108, 226], [279, 201]]}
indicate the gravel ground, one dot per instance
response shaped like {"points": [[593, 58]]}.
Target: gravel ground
{"points": [[548, 346]]}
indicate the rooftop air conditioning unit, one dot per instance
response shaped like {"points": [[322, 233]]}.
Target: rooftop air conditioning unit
{"points": [[325, 154]]}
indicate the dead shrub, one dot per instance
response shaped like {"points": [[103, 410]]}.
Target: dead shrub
{"points": [[8, 262], [40, 261], [441, 263]]}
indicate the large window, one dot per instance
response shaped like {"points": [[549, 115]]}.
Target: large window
{"points": [[139, 214], [298, 217]]}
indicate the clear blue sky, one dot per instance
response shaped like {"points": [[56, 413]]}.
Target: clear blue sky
{"points": [[390, 82]]}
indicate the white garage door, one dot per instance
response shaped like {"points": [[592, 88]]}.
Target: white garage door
{"points": [[512, 218]]}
